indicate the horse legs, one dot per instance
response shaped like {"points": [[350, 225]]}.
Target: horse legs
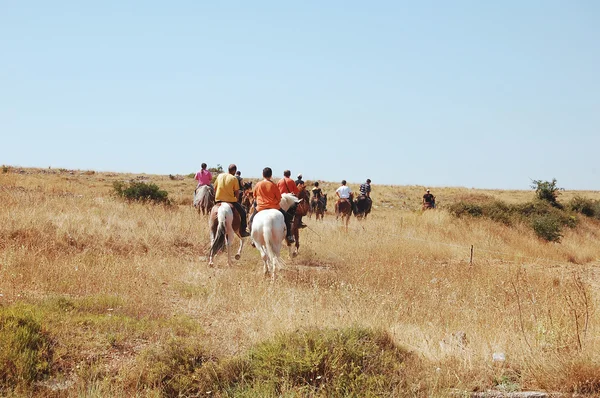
{"points": [[239, 252]]}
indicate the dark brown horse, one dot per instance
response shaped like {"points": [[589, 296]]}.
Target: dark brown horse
{"points": [[362, 206], [318, 205], [343, 208], [224, 224], [301, 211]]}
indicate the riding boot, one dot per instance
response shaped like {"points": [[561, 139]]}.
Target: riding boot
{"points": [[302, 225], [289, 237], [243, 220]]}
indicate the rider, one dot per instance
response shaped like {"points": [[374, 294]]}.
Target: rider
{"points": [[204, 177], [344, 192], [268, 196], [287, 185], [226, 190], [299, 181], [238, 176], [365, 190], [318, 193], [428, 200]]}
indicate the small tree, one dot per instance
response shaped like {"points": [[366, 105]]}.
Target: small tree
{"points": [[547, 191]]}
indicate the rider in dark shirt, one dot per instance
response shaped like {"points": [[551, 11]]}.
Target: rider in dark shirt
{"points": [[428, 200]]}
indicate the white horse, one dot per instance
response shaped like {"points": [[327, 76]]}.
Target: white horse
{"points": [[204, 199], [268, 233], [223, 226]]}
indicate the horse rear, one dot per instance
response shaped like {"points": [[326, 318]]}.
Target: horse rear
{"points": [[224, 224], [204, 199], [318, 206], [343, 208], [268, 233], [362, 207]]}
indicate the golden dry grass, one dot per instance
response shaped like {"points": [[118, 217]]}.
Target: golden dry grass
{"points": [[408, 272]]}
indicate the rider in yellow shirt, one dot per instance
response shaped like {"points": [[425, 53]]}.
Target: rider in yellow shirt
{"points": [[227, 190]]}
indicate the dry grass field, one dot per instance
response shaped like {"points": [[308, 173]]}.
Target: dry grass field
{"points": [[123, 302]]}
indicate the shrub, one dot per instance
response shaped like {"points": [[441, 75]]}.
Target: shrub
{"points": [[25, 349], [587, 207], [140, 191], [547, 191], [465, 209], [173, 368], [347, 362], [547, 227]]}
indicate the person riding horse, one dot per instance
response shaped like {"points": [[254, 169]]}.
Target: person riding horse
{"points": [[226, 190], [318, 195], [287, 185], [267, 195], [365, 191], [204, 177], [344, 192], [428, 200]]}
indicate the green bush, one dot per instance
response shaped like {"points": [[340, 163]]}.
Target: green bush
{"points": [[140, 191], [25, 349], [461, 209], [348, 362], [587, 207], [173, 368], [547, 191], [546, 219], [547, 227]]}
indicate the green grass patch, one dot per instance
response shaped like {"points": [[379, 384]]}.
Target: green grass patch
{"points": [[25, 348]]}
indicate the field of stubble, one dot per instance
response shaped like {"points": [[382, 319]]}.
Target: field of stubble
{"points": [[122, 291]]}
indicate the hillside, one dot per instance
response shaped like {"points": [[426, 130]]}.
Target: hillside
{"points": [[111, 298]]}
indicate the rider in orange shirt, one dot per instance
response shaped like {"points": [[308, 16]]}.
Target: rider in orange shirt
{"points": [[267, 196], [287, 185]]}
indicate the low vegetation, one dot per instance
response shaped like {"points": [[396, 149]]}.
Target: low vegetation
{"points": [[141, 191], [101, 296]]}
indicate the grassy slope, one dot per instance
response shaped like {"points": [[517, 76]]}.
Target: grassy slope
{"points": [[132, 277]]}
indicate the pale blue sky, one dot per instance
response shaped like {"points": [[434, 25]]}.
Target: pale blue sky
{"points": [[483, 94]]}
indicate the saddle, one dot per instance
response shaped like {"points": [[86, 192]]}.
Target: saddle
{"points": [[236, 214]]}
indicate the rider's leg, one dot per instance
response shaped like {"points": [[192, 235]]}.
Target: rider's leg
{"points": [[243, 221], [288, 225]]}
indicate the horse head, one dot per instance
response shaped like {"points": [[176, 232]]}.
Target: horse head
{"points": [[287, 200]]}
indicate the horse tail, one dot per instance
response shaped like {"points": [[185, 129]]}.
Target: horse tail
{"points": [[269, 240], [220, 236]]}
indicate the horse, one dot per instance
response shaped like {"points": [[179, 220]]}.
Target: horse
{"points": [[246, 186], [204, 199], [224, 224], [301, 210], [247, 200], [318, 206], [362, 207], [268, 233], [343, 208]]}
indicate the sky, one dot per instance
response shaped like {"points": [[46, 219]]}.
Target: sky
{"points": [[476, 94]]}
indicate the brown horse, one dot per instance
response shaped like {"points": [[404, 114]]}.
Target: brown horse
{"points": [[317, 206], [301, 211], [224, 224], [247, 200], [343, 208]]}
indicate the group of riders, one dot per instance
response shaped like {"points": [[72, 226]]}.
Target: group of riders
{"points": [[228, 188]]}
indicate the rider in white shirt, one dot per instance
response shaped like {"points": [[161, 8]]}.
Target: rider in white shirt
{"points": [[344, 191]]}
